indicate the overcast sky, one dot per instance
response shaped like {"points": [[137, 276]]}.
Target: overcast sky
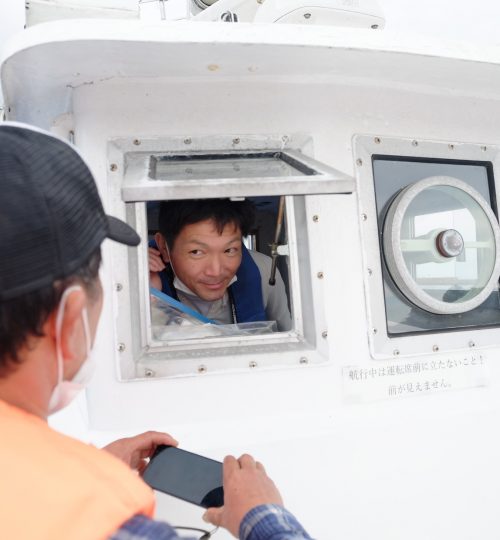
{"points": [[457, 19]]}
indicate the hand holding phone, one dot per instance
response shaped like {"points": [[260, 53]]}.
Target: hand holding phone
{"points": [[134, 451], [199, 480], [246, 485]]}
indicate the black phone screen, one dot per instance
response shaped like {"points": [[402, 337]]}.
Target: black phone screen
{"points": [[185, 475]]}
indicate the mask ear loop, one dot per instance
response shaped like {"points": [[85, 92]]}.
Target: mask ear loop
{"points": [[170, 260], [86, 329]]}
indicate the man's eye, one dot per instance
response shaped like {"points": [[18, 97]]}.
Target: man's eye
{"points": [[196, 252], [232, 250]]}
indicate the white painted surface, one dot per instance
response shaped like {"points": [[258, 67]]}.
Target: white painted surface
{"points": [[413, 468], [11, 22]]}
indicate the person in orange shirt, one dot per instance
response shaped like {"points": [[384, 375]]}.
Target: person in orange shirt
{"points": [[53, 487]]}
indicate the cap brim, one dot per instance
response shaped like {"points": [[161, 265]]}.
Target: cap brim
{"points": [[120, 232]]}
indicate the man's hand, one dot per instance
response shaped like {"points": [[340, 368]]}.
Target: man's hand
{"points": [[135, 451], [246, 485], [156, 265]]}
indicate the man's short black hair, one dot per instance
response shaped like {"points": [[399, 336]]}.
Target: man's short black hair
{"points": [[23, 317], [175, 215]]}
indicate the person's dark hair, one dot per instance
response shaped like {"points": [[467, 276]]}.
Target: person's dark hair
{"points": [[23, 317], [174, 215]]}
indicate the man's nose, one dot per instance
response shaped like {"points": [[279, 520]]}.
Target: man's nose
{"points": [[214, 266]]}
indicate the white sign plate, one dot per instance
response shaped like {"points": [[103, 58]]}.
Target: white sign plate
{"points": [[417, 378]]}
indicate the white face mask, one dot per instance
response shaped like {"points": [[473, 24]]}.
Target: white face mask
{"points": [[65, 391], [178, 284]]}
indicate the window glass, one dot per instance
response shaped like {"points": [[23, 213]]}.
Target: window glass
{"points": [[441, 208], [191, 167]]}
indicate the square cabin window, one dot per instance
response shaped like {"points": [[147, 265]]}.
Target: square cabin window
{"points": [[164, 331], [207, 279]]}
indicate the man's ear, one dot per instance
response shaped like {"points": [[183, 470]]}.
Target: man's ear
{"points": [[72, 336], [162, 247]]}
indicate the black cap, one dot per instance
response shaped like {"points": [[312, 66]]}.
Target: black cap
{"points": [[51, 216]]}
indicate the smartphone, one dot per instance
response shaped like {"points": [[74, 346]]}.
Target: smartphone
{"points": [[185, 475]]}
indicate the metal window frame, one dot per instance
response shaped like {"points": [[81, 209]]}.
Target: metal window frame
{"points": [[138, 186], [383, 346], [139, 355]]}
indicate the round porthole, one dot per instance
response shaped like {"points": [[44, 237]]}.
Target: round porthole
{"points": [[441, 244]]}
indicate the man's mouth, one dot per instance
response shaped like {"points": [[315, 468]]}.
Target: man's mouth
{"points": [[214, 286]]}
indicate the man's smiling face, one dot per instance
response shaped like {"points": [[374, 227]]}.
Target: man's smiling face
{"points": [[204, 259]]}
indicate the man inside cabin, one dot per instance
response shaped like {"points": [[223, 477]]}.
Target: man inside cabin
{"points": [[198, 257], [54, 487]]}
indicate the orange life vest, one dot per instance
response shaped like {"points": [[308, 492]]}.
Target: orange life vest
{"points": [[54, 487]]}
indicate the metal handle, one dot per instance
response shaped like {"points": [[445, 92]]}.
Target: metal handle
{"points": [[274, 245]]}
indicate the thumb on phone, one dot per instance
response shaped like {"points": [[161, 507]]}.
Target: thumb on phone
{"points": [[213, 516]]}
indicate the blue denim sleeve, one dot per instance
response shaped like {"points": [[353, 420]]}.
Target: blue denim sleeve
{"points": [[271, 522], [143, 528]]}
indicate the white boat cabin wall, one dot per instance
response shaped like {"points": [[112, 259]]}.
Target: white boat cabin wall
{"points": [[377, 412]]}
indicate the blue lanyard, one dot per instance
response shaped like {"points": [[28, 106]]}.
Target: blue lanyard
{"points": [[180, 306]]}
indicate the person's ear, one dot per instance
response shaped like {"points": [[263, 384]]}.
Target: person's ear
{"points": [[72, 335], [162, 247]]}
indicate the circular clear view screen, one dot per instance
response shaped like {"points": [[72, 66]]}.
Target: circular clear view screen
{"points": [[441, 241]]}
